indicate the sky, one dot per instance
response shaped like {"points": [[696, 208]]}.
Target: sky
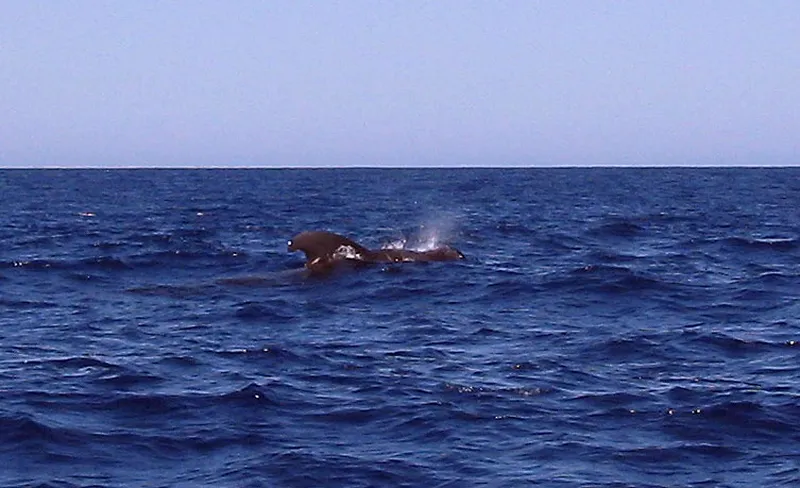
{"points": [[399, 83]]}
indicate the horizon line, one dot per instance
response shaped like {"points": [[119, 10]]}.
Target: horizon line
{"points": [[313, 167]]}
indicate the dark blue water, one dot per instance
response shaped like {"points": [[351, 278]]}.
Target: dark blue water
{"points": [[609, 328]]}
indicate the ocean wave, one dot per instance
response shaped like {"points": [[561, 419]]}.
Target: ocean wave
{"points": [[753, 420], [680, 453], [23, 432], [731, 345], [264, 353], [171, 291], [275, 311], [184, 256], [102, 263], [625, 229], [35, 264], [607, 279], [127, 380], [779, 244], [23, 304]]}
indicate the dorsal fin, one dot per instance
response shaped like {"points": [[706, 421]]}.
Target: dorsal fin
{"points": [[322, 245]]}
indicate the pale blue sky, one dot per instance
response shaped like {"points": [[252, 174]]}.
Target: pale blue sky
{"points": [[404, 83]]}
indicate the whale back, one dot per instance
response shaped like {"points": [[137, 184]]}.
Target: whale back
{"points": [[445, 253], [324, 250]]}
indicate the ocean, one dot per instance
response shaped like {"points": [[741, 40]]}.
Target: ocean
{"points": [[609, 327]]}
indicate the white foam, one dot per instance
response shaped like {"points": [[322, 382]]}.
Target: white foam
{"points": [[395, 244], [346, 252]]}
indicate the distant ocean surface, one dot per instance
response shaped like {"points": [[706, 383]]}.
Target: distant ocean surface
{"points": [[609, 328]]}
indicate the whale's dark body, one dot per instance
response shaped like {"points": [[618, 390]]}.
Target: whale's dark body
{"points": [[325, 250]]}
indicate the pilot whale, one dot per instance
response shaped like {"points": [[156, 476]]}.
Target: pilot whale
{"points": [[325, 250]]}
